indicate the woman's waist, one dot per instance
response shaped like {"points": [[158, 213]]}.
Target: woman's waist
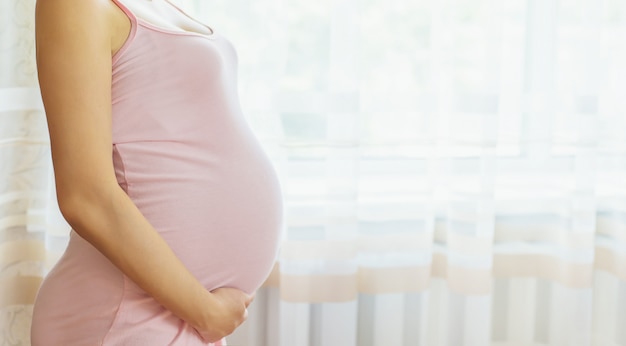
{"points": [[209, 201], [147, 171]]}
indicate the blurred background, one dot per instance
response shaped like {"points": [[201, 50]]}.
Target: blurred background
{"points": [[454, 171]]}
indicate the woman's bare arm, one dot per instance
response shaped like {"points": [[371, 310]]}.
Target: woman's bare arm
{"points": [[74, 65]]}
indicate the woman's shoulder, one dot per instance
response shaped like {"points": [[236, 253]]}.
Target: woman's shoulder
{"points": [[73, 10], [77, 20]]}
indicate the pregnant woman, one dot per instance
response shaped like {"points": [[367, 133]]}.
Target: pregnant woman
{"points": [[176, 210]]}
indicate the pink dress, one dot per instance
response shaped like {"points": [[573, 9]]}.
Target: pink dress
{"points": [[185, 154]]}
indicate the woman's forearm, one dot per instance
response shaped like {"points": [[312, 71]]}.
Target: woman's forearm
{"points": [[110, 221]]}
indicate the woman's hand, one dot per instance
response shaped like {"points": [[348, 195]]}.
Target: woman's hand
{"points": [[228, 312]]}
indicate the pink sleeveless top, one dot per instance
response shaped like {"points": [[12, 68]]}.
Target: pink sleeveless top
{"points": [[185, 154]]}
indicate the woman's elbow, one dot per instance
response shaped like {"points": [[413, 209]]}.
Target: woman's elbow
{"points": [[78, 205], [70, 208]]}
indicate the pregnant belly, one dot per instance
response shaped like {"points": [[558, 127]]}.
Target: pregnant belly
{"points": [[221, 215]]}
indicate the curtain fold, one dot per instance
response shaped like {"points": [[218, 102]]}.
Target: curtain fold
{"points": [[453, 170]]}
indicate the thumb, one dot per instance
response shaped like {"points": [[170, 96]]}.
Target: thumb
{"points": [[249, 298], [245, 314]]}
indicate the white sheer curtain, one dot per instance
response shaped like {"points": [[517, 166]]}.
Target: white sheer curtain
{"points": [[453, 170], [24, 167]]}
